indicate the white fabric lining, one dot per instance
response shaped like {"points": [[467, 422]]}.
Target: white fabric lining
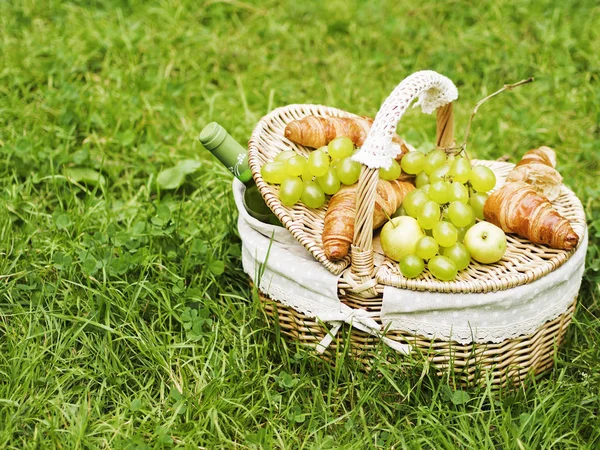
{"points": [[292, 276]]}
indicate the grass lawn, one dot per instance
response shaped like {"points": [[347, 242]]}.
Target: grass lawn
{"points": [[101, 277]]}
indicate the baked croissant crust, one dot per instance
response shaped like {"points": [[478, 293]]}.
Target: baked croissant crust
{"points": [[544, 179], [537, 169], [338, 228], [317, 131], [544, 155], [518, 208]]}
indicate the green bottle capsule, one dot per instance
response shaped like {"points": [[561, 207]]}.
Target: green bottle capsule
{"points": [[232, 155]]}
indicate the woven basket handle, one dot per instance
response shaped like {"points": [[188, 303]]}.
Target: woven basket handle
{"points": [[434, 91]]}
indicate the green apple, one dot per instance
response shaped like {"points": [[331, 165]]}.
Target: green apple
{"points": [[486, 242], [399, 237]]}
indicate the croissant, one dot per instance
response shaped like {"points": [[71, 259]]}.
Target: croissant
{"points": [[537, 169], [316, 131], [338, 229], [520, 209]]}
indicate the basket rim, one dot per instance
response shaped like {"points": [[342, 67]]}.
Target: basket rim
{"points": [[537, 260]]}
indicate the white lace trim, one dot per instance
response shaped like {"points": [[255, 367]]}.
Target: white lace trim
{"points": [[322, 308], [479, 334], [303, 300], [432, 89]]}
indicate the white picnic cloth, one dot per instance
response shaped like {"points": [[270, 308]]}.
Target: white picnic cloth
{"points": [[490, 316], [283, 269]]}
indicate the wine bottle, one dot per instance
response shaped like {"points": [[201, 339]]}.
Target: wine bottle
{"points": [[232, 155]]}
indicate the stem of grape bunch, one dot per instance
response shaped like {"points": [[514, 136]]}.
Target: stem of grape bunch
{"points": [[462, 148]]}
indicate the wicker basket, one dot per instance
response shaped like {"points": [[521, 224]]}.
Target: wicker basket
{"points": [[506, 363], [366, 271]]}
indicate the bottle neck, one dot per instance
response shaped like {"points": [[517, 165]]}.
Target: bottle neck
{"points": [[227, 150], [232, 155]]}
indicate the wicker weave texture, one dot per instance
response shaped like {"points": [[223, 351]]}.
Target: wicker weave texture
{"points": [[507, 363]]}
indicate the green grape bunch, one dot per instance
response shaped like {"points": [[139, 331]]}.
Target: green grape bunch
{"points": [[448, 201], [310, 179]]}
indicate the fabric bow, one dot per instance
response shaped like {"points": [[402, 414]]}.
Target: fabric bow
{"points": [[362, 320]]}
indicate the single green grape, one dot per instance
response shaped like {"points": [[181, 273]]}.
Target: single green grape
{"points": [[340, 147], [411, 266], [426, 247], [290, 190], [285, 155], [273, 172], [413, 162], [459, 255], [348, 171], [445, 234], [334, 163], [422, 179], [312, 195], [318, 163], [392, 173], [460, 214], [439, 192], [433, 160], [458, 192], [442, 267], [477, 201], [460, 170], [429, 215], [329, 182], [482, 178], [439, 174], [296, 165], [413, 202]]}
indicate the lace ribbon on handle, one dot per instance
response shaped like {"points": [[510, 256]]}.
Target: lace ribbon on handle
{"points": [[432, 90]]}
